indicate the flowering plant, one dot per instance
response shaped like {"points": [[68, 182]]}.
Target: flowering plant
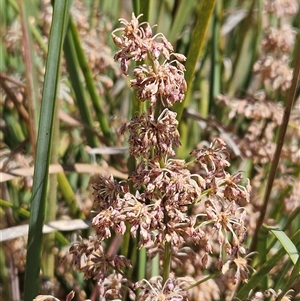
{"points": [[168, 206]]}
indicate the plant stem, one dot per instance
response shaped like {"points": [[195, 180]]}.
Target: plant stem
{"points": [[167, 261], [282, 131]]}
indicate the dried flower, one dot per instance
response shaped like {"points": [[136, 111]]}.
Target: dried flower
{"points": [[279, 39], [240, 264], [150, 137], [137, 42], [214, 158], [275, 73], [281, 8], [107, 192], [155, 290], [163, 83]]}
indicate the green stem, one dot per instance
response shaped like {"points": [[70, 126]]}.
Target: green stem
{"points": [[167, 262], [282, 131]]}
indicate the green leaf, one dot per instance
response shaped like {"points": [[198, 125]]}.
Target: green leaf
{"points": [[183, 13], [265, 269], [287, 244], [204, 12], [43, 151]]}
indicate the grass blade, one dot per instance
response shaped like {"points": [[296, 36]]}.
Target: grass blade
{"points": [[40, 178], [265, 269], [90, 84], [79, 90], [284, 240], [183, 13], [205, 10]]}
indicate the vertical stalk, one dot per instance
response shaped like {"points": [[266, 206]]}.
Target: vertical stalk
{"points": [[51, 207], [167, 262], [31, 81], [282, 131], [43, 150]]}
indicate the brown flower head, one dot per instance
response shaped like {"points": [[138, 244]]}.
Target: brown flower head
{"points": [[169, 191], [106, 192], [275, 73], [173, 183], [113, 287], [281, 8], [153, 137], [241, 267], [155, 290], [232, 188], [110, 218], [164, 82], [255, 107], [214, 158], [227, 220], [137, 42], [279, 39], [89, 258]]}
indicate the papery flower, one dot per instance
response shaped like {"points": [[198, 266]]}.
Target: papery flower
{"points": [[255, 107], [155, 290], [240, 267], [80, 250], [105, 220], [281, 8], [150, 137], [227, 219], [214, 158], [279, 39], [107, 191], [89, 257], [139, 216], [173, 182], [99, 265], [232, 188], [137, 42], [164, 82], [114, 287], [271, 295], [275, 73]]}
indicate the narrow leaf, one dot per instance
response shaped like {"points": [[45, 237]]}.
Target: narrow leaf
{"points": [[204, 12], [290, 248], [40, 178]]}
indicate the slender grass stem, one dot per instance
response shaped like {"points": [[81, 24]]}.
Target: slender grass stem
{"points": [[282, 131]]}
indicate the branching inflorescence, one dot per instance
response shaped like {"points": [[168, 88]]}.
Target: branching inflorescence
{"points": [[163, 204]]}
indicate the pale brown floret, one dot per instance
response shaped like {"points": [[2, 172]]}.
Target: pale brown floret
{"points": [[240, 266], [214, 158], [255, 107], [106, 192], [279, 39], [232, 189], [137, 42], [156, 290], [275, 73], [90, 259], [281, 8], [164, 83], [151, 137]]}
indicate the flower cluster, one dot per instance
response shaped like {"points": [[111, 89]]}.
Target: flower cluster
{"points": [[165, 80], [163, 204], [137, 42], [264, 117], [281, 8], [157, 82], [155, 290], [150, 136], [276, 44]]}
